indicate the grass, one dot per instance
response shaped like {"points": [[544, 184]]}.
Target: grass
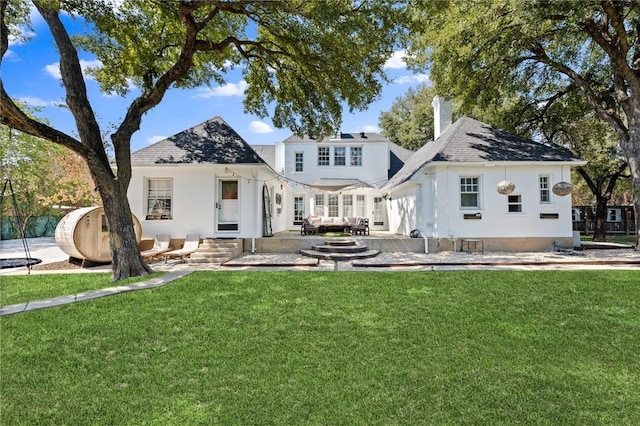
{"points": [[339, 348], [614, 238], [24, 288]]}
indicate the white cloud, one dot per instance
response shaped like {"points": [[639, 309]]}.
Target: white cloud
{"points": [[54, 69], [371, 128], [25, 34], [36, 102], [259, 127], [396, 61], [412, 79], [229, 89], [154, 139], [11, 56]]}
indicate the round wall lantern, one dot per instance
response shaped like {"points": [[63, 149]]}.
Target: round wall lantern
{"points": [[562, 188], [505, 187]]}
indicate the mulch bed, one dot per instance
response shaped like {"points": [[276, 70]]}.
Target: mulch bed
{"points": [[72, 263]]}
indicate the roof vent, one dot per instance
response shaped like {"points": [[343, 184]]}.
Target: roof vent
{"points": [[362, 135]]}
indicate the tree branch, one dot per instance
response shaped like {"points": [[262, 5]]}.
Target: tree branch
{"points": [[581, 82]]}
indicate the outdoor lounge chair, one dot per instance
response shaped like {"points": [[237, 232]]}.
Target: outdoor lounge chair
{"points": [[361, 227], [308, 227], [160, 246], [191, 244]]}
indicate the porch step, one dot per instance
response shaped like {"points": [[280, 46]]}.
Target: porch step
{"points": [[212, 250], [340, 256], [340, 249]]}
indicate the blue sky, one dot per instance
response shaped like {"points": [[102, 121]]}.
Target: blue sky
{"points": [[30, 73]]}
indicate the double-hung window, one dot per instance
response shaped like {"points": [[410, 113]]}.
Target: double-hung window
{"points": [[545, 191], [159, 199], [514, 203], [323, 156], [299, 161], [469, 193], [339, 156], [356, 156]]}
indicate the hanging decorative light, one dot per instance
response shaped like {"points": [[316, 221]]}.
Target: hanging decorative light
{"points": [[562, 188], [505, 187]]}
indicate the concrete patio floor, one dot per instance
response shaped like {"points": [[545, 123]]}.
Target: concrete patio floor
{"points": [[47, 250]]}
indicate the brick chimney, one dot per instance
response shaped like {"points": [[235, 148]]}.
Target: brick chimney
{"points": [[442, 116]]}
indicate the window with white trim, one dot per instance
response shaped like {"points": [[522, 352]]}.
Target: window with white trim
{"points": [[360, 205], [514, 203], [333, 205], [378, 211], [298, 209], [545, 190], [469, 192], [356, 156], [339, 156], [319, 203], [299, 161], [324, 156], [347, 205], [159, 199], [614, 215]]}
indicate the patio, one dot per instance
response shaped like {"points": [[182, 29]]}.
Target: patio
{"points": [[293, 242]]}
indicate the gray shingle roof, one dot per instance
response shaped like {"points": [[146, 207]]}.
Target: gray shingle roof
{"points": [[267, 153], [346, 137], [471, 141], [211, 142]]}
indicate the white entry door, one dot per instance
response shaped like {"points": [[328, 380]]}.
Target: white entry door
{"points": [[227, 206]]}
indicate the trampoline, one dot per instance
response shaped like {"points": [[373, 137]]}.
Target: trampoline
{"points": [[17, 262]]}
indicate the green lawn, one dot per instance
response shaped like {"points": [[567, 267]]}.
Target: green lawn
{"points": [[614, 238], [24, 288], [338, 348]]}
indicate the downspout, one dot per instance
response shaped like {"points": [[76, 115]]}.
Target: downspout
{"points": [[255, 220], [420, 207]]}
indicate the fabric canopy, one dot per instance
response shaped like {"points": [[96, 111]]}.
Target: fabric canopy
{"points": [[339, 184]]}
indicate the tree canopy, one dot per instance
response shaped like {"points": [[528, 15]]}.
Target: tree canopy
{"points": [[409, 121], [301, 59], [542, 51]]}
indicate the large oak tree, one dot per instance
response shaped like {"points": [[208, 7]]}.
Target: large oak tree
{"points": [[301, 59], [478, 51]]}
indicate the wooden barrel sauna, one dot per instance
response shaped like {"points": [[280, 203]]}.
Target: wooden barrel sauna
{"points": [[83, 234]]}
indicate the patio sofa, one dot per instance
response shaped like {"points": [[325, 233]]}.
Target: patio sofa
{"points": [[322, 224]]}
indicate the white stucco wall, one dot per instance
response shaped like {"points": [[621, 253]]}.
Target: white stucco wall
{"points": [[195, 196], [496, 221], [374, 169]]}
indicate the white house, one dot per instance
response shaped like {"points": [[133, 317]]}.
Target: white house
{"points": [[204, 180], [208, 180], [448, 189]]}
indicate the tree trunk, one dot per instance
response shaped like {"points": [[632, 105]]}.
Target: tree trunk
{"points": [[126, 259], [631, 148], [600, 219]]}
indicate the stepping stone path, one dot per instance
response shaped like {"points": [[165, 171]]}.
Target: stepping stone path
{"points": [[340, 249]]}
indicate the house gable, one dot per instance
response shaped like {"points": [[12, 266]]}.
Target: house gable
{"points": [[211, 142], [471, 141]]}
